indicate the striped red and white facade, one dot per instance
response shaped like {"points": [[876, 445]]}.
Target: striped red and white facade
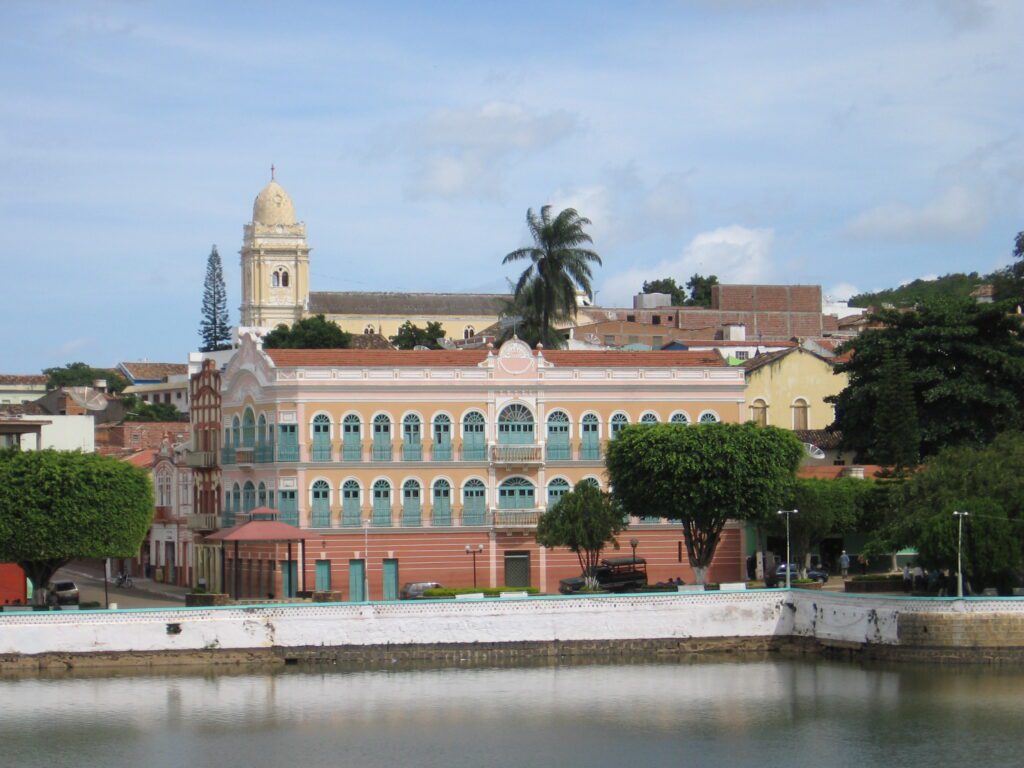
{"points": [[410, 466]]}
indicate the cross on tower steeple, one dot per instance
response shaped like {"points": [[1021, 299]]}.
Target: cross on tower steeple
{"points": [[271, 171]]}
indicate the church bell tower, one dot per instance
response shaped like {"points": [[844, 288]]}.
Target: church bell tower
{"points": [[275, 261]]}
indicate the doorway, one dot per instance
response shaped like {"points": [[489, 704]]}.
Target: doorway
{"points": [[517, 569]]}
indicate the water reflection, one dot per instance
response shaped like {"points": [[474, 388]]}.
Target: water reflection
{"points": [[755, 713]]}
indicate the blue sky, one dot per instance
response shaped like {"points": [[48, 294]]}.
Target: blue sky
{"points": [[855, 145]]}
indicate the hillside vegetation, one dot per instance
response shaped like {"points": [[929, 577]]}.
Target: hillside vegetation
{"points": [[954, 286]]}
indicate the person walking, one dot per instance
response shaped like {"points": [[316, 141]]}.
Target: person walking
{"points": [[844, 564]]}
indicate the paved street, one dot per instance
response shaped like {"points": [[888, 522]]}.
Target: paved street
{"points": [[141, 596]]}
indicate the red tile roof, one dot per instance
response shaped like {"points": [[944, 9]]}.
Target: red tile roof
{"points": [[289, 358], [145, 371], [261, 530], [16, 378], [142, 459]]}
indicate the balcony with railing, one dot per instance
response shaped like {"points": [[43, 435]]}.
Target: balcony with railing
{"points": [[441, 452], [201, 459], [515, 518], [320, 452], [227, 455], [204, 521], [590, 452], [351, 452], [517, 455], [264, 453], [558, 451], [288, 452], [474, 453], [412, 452], [245, 455], [382, 452]]}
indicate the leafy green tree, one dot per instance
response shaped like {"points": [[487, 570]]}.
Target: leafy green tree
{"points": [[825, 508], [585, 521], [524, 319], [700, 290], [965, 362], [897, 437], [137, 410], [666, 285], [56, 506], [82, 375], [214, 328], [411, 335], [559, 265], [984, 481], [309, 333], [1009, 283], [703, 476]]}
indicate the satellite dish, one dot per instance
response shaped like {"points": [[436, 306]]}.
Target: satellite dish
{"points": [[814, 451], [421, 348]]}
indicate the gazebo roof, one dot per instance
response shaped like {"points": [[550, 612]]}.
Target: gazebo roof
{"points": [[261, 530]]}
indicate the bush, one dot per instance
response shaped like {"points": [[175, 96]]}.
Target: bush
{"points": [[876, 577], [487, 591]]}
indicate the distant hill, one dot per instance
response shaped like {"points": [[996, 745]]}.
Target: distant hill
{"points": [[957, 285]]}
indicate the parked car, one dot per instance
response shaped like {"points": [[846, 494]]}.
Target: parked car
{"points": [[413, 590], [64, 593], [778, 576], [620, 574]]}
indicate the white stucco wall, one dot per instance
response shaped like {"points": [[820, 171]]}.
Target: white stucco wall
{"points": [[761, 613], [64, 433]]}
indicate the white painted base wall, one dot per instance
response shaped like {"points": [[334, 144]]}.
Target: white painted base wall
{"points": [[762, 613]]}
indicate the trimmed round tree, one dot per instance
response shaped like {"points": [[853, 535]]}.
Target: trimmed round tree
{"points": [[56, 506], [703, 476], [584, 521]]}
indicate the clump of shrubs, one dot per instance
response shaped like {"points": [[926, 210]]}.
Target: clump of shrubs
{"points": [[487, 591]]}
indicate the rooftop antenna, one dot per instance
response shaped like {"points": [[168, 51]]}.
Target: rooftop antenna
{"points": [[271, 171]]}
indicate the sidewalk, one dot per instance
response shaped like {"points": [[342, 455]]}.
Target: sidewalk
{"points": [[141, 585]]}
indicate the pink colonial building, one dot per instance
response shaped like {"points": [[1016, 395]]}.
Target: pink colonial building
{"points": [[406, 466]]}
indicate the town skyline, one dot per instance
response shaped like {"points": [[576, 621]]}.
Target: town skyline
{"points": [[760, 145]]}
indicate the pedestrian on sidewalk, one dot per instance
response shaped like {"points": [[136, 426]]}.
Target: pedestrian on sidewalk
{"points": [[844, 563]]}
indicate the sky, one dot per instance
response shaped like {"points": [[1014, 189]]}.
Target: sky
{"points": [[852, 145]]}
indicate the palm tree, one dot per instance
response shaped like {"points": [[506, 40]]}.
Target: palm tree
{"points": [[559, 266]]}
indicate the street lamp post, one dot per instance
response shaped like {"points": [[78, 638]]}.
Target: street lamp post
{"points": [[787, 513], [959, 548], [634, 543], [470, 550]]}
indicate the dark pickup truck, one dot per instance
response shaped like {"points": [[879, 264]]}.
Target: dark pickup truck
{"points": [[619, 574]]}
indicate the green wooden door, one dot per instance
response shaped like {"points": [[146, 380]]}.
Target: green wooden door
{"points": [[356, 580], [323, 575], [390, 579], [289, 577]]}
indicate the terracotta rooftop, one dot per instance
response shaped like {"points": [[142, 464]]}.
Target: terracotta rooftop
{"points": [[143, 371], [823, 438], [15, 379], [370, 341], [289, 358], [261, 530]]}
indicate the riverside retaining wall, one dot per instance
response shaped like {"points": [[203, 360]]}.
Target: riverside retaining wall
{"points": [[760, 619]]}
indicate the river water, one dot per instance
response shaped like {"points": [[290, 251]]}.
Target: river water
{"points": [[733, 714]]}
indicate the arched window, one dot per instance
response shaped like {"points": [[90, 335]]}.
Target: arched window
{"points": [[275, 280], [557, 488], [369, 330], [590, 447], [709, 417], [680, 418], [649, 418], [619, 420], [236, 504], [248, 496], [280, 278], [261, 430], [474, 503], [441, 507], [382, 437], [248, 429], [236, 431], [321, 493], [351, 436], [350, 504], [801, 413], [592, 481], [261, 494], [515, 425], [474, 438], [558, 436], [382, 503], [321, 437], [163, 488], [516, 493], [441, 449], [759, 412], [411, 504], [412, 450], [468, 332]]}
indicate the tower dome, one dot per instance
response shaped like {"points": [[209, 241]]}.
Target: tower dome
{"points": [[273, 206]]}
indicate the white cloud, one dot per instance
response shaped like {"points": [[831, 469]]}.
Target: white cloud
{"points": [[841, 291], [736, 254], [468, 151], [957, 213], [593, 202]]}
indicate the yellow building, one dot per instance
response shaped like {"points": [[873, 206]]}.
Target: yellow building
{"points": [[276, 287], [788, 389]]}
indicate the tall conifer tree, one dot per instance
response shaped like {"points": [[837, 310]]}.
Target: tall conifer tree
{"points": [[214, 328]]}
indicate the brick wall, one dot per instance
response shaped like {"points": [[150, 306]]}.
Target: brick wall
{"points": [[141, 435], [766, 298]]}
